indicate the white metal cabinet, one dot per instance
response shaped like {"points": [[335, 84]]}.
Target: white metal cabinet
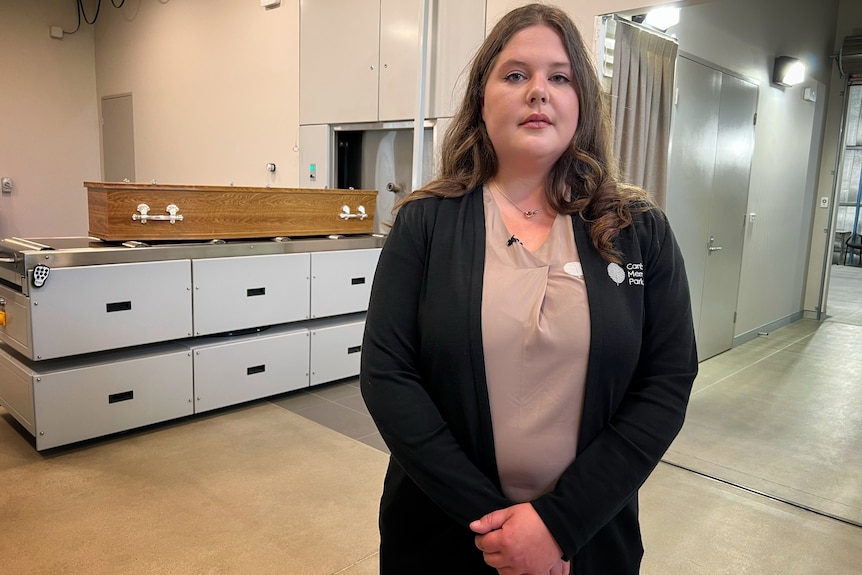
{"points": [[74, 399], [85, 309], [335, 350], [359, 58], [341, 281], [237, 293], [228, 371], [85, 395]]}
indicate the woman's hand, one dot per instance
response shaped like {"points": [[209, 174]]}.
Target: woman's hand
{"points": [[560, 568], [515, 541]]}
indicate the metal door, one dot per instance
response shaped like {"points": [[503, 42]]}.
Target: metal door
{"points": [[710, 165]]}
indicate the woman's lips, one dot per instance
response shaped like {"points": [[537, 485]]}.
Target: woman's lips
{"points": [[536, 121]]}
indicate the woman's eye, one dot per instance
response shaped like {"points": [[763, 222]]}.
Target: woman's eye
{"points": [[515, 77], [559, 79]]}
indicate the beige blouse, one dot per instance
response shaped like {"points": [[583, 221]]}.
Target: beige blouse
{"points": [[536, 338]]}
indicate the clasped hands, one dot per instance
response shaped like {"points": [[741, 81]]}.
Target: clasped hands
{"points": [[515, 541]]}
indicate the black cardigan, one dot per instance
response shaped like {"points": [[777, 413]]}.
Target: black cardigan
{"points": [[423, 380]]}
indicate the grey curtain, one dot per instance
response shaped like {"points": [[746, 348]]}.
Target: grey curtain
{"points": [[641, 105]]}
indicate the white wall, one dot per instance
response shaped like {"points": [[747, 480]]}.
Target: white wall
{"points": [[214, 85], [49, 139]]}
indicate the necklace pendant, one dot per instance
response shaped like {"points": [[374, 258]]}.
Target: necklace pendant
{"points": [[530, 213]]}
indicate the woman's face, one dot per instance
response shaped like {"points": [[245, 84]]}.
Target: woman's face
{"points": [[530, 107]]}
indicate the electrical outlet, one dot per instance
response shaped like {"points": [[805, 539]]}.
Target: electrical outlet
{"points": [[6, 185]]}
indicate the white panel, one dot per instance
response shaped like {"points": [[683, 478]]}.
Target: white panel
{"points": [[244, 292], [338, 61], [399, 59], [16, 390], [93, 400], [336, 351], [93, 308], [315, 154], [251, 367], [341, 281], [15, 328], [457, 32]]}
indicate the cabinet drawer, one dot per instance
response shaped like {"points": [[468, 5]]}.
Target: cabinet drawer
{"points": [[235, 370], [335, 351], [95, 308], [236, 293], [341, 281], [74, 401]]}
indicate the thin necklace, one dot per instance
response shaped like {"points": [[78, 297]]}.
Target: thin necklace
{"points": [[527, 213]]}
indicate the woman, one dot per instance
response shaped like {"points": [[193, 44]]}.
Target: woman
{"points": [[529, 350]]}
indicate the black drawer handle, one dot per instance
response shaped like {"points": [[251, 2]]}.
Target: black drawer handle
{"points": [[119, 306], [255, 291], [122, 396], [256, 369], [354, 349], [357, 281]]}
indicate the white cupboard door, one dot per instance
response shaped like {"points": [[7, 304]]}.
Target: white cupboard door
{"points": [[458, 29], [338, 53], [399, 59]]}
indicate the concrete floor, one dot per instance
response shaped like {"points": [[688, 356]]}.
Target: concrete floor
{"points": [[764, 478]]}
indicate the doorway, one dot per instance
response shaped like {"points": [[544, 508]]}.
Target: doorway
{"points": [[118, 138], [712, 140], [844, 298]]}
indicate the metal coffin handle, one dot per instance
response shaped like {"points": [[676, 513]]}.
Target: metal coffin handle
{"points": [[346, 215], [144, 215]]}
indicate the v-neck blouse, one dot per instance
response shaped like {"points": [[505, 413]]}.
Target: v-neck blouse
{"points": [[536, 338]]}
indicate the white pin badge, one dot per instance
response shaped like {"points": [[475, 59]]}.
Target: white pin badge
{"points": [[616, 273]]}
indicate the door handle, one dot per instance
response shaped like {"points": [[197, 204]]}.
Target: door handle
{"points": [[711, 247]]}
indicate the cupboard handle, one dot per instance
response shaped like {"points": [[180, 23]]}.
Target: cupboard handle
{"points": [[255, 369]]}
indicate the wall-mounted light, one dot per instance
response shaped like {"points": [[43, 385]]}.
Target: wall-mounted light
{"points": [[662, 18], [658, 18], [788, 71]]}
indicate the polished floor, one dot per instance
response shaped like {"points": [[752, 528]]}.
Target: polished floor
{"points": [[765, 477]]}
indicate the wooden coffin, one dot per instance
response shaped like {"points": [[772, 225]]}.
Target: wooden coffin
{"points": [[134, 211]]}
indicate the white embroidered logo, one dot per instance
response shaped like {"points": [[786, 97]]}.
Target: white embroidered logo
{"points": [[574, 269], [616, 273], [635, 273]]}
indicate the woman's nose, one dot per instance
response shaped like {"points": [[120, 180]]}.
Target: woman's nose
{"points": [[538, 91]]}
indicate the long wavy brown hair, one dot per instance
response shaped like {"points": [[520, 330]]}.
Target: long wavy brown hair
{"points": [[583, 181]]}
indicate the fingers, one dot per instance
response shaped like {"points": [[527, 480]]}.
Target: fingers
{"points": [[489, 522], [517, 539]]}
